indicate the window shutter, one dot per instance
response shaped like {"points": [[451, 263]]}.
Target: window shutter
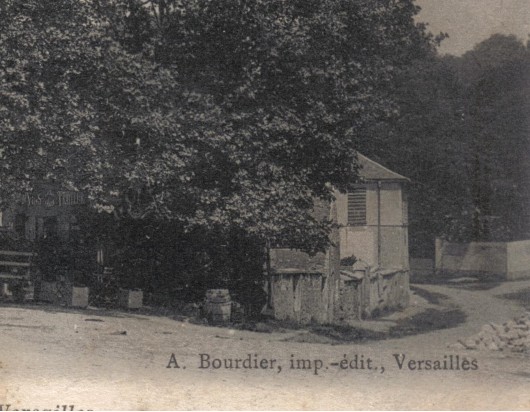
{"points": [[357, 207]]}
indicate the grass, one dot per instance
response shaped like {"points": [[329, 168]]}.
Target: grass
{"points": [[431, 297], [443, 317], [481, 283], [427, 321], [522, 297]]}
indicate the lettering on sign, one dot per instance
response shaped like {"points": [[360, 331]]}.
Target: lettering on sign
{"points": [[59, 198]]}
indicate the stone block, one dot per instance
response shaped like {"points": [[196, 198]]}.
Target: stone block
{"points": [[77, 297], [492, 346], [130, 298]]}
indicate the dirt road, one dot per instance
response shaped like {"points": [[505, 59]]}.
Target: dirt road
{"points": [[110, 360]]}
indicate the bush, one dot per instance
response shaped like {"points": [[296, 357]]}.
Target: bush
{"points": [[348, 261]]}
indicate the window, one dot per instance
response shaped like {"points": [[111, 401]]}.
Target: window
{"points": [[50, 227], [357, 207], [20, 224]]}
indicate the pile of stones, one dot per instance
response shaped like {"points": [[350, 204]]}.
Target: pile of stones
{"points": [[513, 335]]}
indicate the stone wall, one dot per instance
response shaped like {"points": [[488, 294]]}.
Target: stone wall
{"points": [[372, 293], [518, 259], [300, 297], [304, 288], [350, 301], [504, 260], [388, 291]]}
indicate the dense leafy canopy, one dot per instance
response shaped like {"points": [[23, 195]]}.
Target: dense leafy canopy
{"points": [[207, 114]]}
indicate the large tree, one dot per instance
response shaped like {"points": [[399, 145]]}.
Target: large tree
{"points": [[205, 114], [297, 83], [74, 102]]}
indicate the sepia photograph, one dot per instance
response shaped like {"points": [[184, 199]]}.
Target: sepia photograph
{"points": [[264, 205]]}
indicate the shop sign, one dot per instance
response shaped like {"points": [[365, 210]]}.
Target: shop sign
{"points": [[52, 198]]}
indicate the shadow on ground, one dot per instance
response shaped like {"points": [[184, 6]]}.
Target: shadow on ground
{"points": [[467, 282], [90, 312], [427, 321], [442, 317], [521, 296]]}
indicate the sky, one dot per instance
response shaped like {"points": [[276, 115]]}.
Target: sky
{"points": [[468, 22]]}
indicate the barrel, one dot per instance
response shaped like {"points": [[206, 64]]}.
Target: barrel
{"points": [[218, 305], [217, 295]]}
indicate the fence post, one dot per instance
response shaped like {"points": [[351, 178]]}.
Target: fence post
{"points": [[438, 255]]}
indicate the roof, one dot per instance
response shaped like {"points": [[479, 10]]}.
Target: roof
{"points": [[370, 170]]}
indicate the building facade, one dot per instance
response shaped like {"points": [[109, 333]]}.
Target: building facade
{"points": [[373, 218], [44, 213], [372, 226]]}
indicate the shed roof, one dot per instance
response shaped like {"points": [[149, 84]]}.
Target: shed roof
{"points": [[371, 170]]}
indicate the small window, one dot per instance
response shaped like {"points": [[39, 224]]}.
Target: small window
{"points": [[20, 224], [357, 207], [50, 227]]}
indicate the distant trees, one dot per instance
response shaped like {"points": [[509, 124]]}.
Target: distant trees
{"points": [[462, 136], [497, 78]]}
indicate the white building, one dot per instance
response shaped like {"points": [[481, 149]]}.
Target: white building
{"points": [[373, 218]]}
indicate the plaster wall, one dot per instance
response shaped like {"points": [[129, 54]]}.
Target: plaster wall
{"points": [[518, 259]]}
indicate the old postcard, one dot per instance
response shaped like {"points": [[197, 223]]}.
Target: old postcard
{"points": [[264, 204]]}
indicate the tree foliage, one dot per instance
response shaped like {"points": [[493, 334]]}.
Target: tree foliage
{"points": [[498, 106], [463, 137], [206, 114]]}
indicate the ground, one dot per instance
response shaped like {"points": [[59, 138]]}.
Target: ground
{"points": [[96, 359]]}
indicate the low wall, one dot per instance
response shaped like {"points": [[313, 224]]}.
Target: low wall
{"points": [[379, 291], [505, 260], [518, 259], [301, 297], [350, 301], [388, 290], [307, 297]]}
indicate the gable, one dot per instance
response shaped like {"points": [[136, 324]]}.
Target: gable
{"points": [[371, 170]]}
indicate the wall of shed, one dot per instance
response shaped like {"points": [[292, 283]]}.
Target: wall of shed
{"points": [[362, 241], [359, 241], [394, 247]]}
